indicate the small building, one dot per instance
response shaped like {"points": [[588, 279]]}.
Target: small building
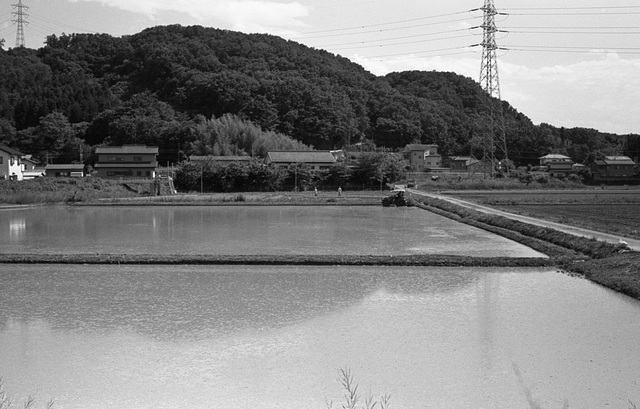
{"points": [[128, 161], [74, 170], [29, 163], [423, 158], [467, 164], [220, 160], [613, 168], [557, 165], [11, 166], [317, 160]]}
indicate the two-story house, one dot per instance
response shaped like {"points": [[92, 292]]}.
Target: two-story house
{"points": [[423, 158], [11, 167], [613, 168], [557, 165], [128, 161]]}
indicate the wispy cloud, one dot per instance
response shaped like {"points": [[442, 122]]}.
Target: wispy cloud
{"points": [[594, 93], [242, 15]]}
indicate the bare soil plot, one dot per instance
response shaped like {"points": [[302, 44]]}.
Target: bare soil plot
{"points": [[611, 211]]}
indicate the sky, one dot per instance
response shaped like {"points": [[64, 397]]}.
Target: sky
{"points": [[571, 63]]}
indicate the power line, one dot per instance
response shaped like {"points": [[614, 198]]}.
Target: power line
{"points": [[420, 52], [388, 24], [575, 49], [572, 8], [575, 14], [402, 38]]}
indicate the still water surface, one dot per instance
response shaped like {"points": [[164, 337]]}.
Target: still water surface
{"points": [[246, 230], [99, 337]]}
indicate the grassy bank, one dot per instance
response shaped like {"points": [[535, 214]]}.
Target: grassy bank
{"points": [[315, 260], [60, 190], [610, 265], [323, 198]]}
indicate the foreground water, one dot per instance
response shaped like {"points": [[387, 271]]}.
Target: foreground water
{"points": [[97, 337], [250, 230]]}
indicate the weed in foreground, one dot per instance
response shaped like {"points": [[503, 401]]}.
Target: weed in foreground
{"points": [[8, 402], [352, 395]]}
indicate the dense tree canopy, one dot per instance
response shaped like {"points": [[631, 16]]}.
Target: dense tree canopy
{"points": [[195, 90]]}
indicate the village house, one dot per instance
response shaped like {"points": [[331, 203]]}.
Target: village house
{"points": [[31, 168], [467, 164], [65, 170], [219, 160], [613, 168], [128, 161], [316, 160], [423, 158], [11, 166], [557, 165]]}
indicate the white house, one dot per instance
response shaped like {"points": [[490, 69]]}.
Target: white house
{"points": [[11, 166]]}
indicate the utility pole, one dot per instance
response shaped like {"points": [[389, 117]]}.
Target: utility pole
{"points": [[494, 142], [20, 21]]}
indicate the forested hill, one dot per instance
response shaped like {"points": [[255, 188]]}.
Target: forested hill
{"points": [[165, 86]]}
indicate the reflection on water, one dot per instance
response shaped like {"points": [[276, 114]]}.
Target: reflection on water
{"points": [[267, 337], [247, 230], [17, 227]]}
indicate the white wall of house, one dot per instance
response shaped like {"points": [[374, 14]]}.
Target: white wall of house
{"points": [[10, 166]]}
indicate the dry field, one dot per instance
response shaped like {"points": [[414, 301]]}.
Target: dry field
{"points": [[612, 211]]}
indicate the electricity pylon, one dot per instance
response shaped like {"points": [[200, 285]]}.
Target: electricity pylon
{"points": [[20, 21], [494, 142]]}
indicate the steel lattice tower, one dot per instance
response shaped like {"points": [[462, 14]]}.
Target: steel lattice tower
{"points": [[494, 139], [20, 21], [489, 69]]}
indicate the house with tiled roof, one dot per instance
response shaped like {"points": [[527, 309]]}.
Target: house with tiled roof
{"points": [[614, 169], [65, 170], [557, 165], [316, 160], [467, 164], [219, 160]]}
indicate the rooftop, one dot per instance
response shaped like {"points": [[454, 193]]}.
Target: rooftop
{"points": [[65, 166], [301, 157], [210, 158], [420, 147], [130, 149]]}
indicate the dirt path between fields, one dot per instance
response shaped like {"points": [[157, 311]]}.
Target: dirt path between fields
{"points": [[576, 231]]}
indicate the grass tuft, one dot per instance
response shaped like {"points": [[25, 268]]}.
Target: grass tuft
{"points": [[8, 402], [352, 398]]}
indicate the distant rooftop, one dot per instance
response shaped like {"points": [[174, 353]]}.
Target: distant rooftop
{"points": [[301, 157], [554, 156], [65, 166], [209, 158], [141, 149], [420, 147]]}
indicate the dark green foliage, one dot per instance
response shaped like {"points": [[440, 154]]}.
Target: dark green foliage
{"points": [[375, 169], [166, 86], [234, 177]]}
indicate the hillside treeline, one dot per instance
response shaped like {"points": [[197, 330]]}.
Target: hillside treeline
{"points": [[194, 90]]}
